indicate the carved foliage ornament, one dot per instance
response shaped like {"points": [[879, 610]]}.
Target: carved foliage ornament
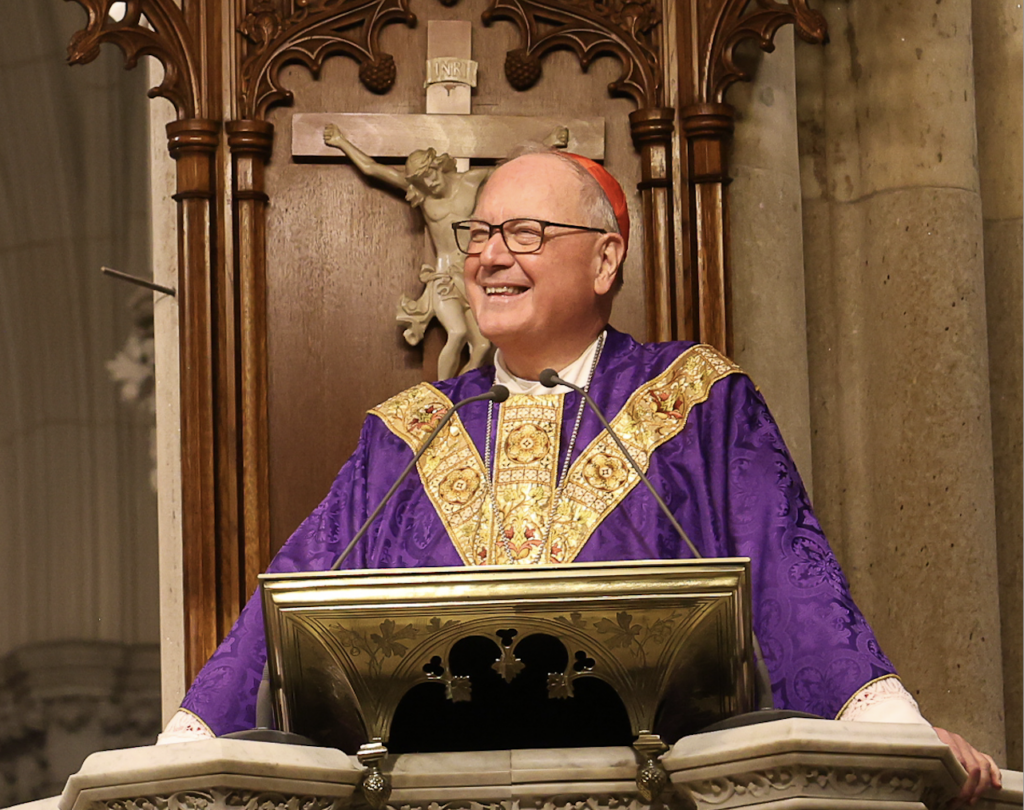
{"points": [[725, 25], [216, 798], [774, 784], [155, 28], [620, 28], [561, 802], [315, 30]]}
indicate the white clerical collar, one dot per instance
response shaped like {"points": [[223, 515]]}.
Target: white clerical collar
{"points": [[576, 373]]}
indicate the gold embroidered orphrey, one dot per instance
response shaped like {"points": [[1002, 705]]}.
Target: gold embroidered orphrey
{"points": [[526, 460]]}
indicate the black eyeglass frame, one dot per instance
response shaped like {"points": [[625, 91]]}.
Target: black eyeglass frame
{"points": [[457, 227]]}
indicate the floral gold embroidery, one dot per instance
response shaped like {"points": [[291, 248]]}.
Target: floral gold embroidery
{"points": [[412, 414], [525, 462], [459, 486], [526, 444], [451, 470], [525, 474], [605, 472], [426, 419], [669, 405], [656, 412]]}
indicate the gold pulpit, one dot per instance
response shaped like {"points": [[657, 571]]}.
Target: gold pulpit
{"points": [[510, 657]]}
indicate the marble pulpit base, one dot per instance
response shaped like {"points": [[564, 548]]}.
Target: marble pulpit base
{"points": [[824, 764], [786, 764]]}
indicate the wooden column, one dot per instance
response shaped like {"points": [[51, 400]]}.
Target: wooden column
{"points": [[708, 128], [193, 144], [652, 129], [250, 143]]}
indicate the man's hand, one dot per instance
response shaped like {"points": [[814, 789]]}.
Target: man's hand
{"points": [[982, 771]]}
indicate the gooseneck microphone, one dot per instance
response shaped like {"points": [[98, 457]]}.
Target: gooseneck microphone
{"points": [[549, 378], [497, 393]]}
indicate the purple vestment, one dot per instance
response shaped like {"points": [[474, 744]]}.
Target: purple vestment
{"points": [[726, 476]]}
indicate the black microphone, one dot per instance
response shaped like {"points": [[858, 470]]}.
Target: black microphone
{"points": [[498, 393], [549, 378]]}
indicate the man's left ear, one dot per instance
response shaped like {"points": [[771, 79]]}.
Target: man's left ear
{"points": [[612, 252]]}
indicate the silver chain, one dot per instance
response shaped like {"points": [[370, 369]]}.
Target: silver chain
{"points": [[559, 484]]}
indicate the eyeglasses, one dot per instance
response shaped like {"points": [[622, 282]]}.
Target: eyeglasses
{"points": [[520, 235]]}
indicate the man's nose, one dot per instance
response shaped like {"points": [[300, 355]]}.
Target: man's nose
{"points": [[496, 252]]}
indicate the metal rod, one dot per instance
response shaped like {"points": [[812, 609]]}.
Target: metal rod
{"points": [[142, 282]]}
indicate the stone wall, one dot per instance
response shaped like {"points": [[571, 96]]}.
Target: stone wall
{"points": [[60, 702], [900, 324], [877, 302], [998, 62], [78, 580]]}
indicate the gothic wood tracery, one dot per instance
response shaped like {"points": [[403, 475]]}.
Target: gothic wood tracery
{"points": [[212, 50], [315, 31], [735, 22], [156, 28], [622, 29]]}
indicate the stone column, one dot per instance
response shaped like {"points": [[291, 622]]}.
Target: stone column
{"points": [[164, 259], [769, 326], [997, 73], [899, 348]]}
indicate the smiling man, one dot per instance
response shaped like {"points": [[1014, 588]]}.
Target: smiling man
{"points": [[537, 479], [542, 290]]}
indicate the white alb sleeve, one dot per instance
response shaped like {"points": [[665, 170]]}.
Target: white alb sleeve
{"points": [[184, 727], [883, 701]]}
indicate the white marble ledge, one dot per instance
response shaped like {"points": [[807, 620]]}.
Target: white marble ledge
{"points": [[523, 766], [211, 774], [789, 763], [217, 765], [524, 778], [826, 762]]}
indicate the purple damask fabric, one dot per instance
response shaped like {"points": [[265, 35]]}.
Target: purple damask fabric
{"points": [[727, 478]]}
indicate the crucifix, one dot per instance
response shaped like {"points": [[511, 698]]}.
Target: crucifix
{"points": [[437, 176]]}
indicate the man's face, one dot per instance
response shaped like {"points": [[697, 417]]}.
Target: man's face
{"points": [[549, 297]]}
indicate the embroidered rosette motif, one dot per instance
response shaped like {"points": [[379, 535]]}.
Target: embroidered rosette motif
{"points": [[526, 461]]}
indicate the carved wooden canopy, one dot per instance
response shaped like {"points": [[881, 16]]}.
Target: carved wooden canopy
{"points": [[227, 67]]}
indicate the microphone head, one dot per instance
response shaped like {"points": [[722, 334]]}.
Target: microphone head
{"points": [[499, 393], [548, 378]]}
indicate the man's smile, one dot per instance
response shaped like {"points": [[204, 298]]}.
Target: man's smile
{"points": [[505, 289]]}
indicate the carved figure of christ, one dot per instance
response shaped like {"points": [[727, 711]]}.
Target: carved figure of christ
{"points": [[437, 178]]}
